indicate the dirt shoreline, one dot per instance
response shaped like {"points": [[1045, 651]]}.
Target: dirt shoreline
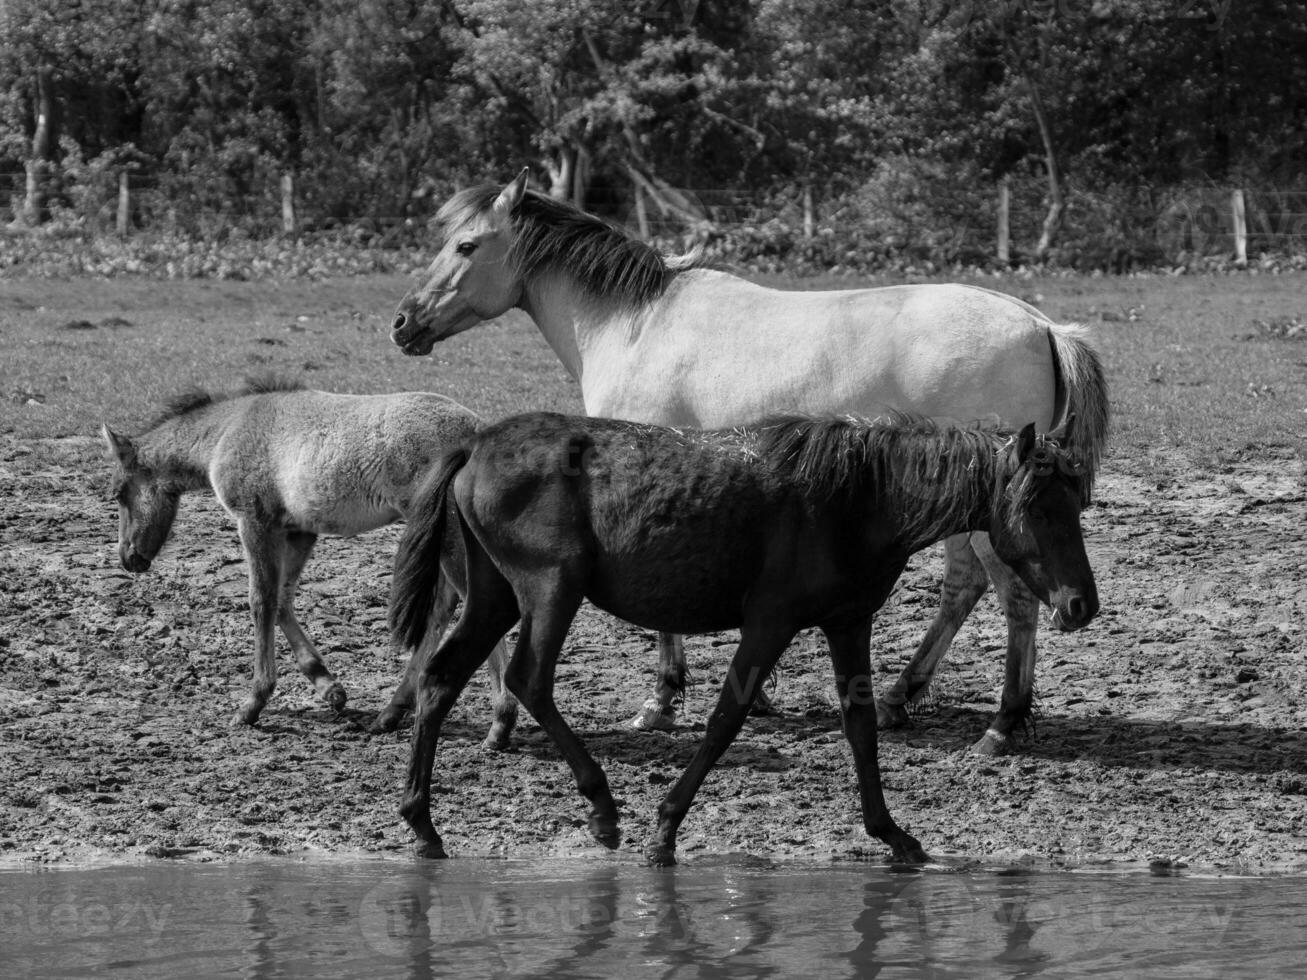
{"points": [[1172, 730]]}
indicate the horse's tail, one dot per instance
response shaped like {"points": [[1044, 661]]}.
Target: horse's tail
{"points": [[1082, 396], [417, 562]]}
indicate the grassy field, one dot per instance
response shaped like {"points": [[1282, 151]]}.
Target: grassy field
{"points": [[1203, 370]]}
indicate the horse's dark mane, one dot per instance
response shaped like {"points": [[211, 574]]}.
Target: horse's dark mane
{"points": [[606, 261], [934, 466], [194, 399]]}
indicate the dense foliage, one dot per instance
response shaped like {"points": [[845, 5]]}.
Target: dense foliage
{"points": [[822, 133]]}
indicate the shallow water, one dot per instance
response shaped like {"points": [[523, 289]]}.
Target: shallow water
{"points": [[609, 918]]}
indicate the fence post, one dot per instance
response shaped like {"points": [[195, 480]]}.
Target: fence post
{"points": [[124, 204], [1004, 207], [1240, 227], [641, 214], [288, 203], [809, 211]]}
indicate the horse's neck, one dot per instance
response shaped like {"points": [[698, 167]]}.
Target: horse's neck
{"points": [[577, 326], [181, 447], [967, 506]]}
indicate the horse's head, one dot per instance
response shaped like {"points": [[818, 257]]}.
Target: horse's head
{"points": [[146, 504], [1035, 526], [473, 277]]}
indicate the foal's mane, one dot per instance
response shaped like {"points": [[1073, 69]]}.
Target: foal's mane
{"points": [[605, 260], [939, 473], [195, 399]]}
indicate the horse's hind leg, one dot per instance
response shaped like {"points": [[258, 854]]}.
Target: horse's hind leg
{"points": [[487, 615], [761, 645], [402, 700], [263, 556], [850, 654], [503, 704], [964, 583], [298, 547], [545, 622], [1021, 608]]}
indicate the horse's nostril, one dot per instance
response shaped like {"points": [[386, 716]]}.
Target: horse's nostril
{"points": [[401, 321]]}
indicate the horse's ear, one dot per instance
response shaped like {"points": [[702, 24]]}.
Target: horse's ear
{"points": [[1059, 434], [1025, 443], [119, 446], [511, 196]]}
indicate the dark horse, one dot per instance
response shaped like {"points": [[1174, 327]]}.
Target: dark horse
{"points": [[795, 523]]}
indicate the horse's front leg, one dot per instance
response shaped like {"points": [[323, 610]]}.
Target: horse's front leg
{"points": [[1021, 609], [263, 556], [298, 547], [761, 645], [444, 674], [964, 583], [850, 653], [546, 617]]}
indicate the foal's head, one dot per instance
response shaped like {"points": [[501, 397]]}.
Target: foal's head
{"points": [[1035, 525], [147, 503]]}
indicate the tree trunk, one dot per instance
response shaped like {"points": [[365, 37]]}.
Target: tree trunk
{"points": [[38, 165], [1056, 206]]}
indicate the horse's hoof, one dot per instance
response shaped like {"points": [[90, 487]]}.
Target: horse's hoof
{"points": [[604, 830], [653, 717], [386, 722], [891, 715], [763, 706], [660, 856], [496, 740], [992, 744], [244, 718], [909, 851], [335, 697], [433, 849]]}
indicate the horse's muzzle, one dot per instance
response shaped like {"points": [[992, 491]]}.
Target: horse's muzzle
{"points": [[134, 561], [410, 337], [1074, 611]]}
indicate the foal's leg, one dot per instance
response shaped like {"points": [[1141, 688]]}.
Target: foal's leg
{"points": [[1021, 608], [761, 645], [964, 583], [546, 619], [489, 612], [298, 547], [850, 654], [264, 549]]}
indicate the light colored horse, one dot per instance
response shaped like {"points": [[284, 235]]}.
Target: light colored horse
{"points": [[290, 464], [651, 339]]}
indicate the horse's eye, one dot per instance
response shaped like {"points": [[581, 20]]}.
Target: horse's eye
{"points": [[466, 248]]}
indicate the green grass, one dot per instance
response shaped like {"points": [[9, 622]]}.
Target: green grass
{"points": [[1193, 379]]}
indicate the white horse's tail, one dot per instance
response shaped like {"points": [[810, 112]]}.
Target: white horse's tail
{"points": [[1081, 394]]}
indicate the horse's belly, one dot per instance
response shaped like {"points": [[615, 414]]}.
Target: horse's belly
{"points": [[682, 596], [341, 521]]}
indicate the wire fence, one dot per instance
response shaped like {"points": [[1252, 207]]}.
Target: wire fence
{"points": [[1174, 222]]}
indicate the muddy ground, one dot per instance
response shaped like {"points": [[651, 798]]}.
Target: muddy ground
{"points": [[1173, 729]]}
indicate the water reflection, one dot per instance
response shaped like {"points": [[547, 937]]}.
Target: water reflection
{"points": [[612, 917]]}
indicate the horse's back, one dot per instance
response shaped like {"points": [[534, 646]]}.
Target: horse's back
{"points": [[718, 350]]}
